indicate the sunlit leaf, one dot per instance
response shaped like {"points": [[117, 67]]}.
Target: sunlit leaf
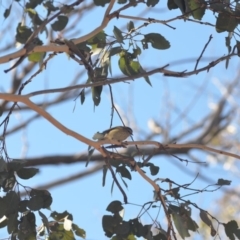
{"points": [[36, 56], [197, 7]]}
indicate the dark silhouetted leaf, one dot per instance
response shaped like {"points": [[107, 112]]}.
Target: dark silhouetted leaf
{"points": [[154, 169], [23, 33], [114, 207], [26, 173], [205, 218], [7, 12], [152, 3], [60, 24], [226, 22], [33, 3], [172, 5], [96, 94], [230, 228], [104, 175], [130, 26], [82, 96], [157, 41], [118, 34], [101, 2], [124, 172], [223, 182]]}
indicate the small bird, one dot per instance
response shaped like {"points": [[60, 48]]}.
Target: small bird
{"points": [[118, 133]]}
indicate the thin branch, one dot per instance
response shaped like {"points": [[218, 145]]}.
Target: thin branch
{"points": [[184, 146], [209, 40], [63, 48], [74, 177], [132, 78]]}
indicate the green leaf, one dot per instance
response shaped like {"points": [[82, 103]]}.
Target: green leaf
{"points": [[36, 56], [115, 207], [198, 8], [115, 50], [34, 16], [118, 34], [157, 41], [136, 51], [26, 173], [7, 12], [129, 67], [152, 3], [180, 224], [60, 24], [99, 40], [130, 26], [124, 172], [226, 22], [78, 231]]}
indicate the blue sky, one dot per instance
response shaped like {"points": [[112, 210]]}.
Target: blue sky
{"points": [[139, 102]]}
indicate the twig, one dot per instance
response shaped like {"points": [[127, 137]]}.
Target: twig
{"points": [[63, 48], [116, 181], [209, 40]]}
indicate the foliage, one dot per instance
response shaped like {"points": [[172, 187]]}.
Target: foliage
{"points": [[129, 45]]}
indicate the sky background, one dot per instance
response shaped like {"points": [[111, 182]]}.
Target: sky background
{"points": [[86, 199]]}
